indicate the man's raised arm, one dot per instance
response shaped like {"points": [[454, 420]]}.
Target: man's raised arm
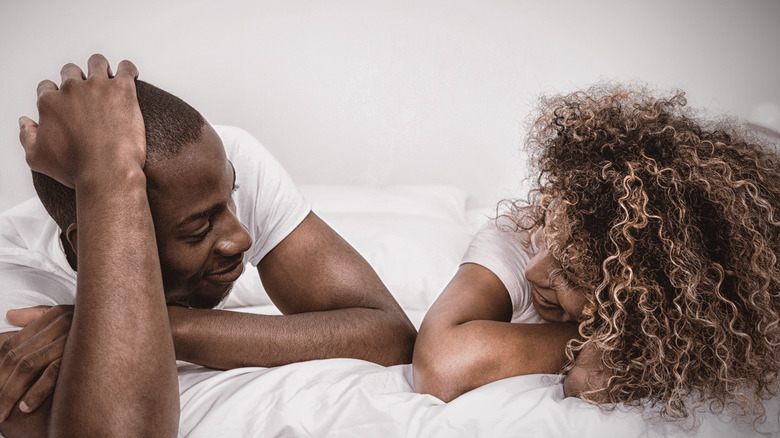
{"points": [[118, 372]]}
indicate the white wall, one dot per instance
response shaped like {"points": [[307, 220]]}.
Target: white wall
{"points": [[380, 92]]}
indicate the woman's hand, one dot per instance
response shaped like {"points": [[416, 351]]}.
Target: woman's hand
{"points": [[588, 374]]}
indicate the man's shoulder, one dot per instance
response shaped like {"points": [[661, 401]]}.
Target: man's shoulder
{"points": [[238, 141], [263, 180], [33, 267], [29, 236], [268, 203], [247, 153], [31, 205], [23, 221]]}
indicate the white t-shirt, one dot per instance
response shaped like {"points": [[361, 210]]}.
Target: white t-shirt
{"points": [[33, 267], [499, 248]]}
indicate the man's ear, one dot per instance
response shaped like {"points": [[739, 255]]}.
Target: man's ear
{"points": [[71, 234]]}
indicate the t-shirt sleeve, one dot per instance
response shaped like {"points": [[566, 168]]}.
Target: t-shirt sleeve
{"points": [[499, 248], [267, 201]]}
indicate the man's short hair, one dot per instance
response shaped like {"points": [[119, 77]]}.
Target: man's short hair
{"points": [[170, 124]]}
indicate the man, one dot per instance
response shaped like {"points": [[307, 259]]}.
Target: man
{"points": [[182, 206]]}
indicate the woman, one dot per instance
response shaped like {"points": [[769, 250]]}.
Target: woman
{"points": [[643, 265]]}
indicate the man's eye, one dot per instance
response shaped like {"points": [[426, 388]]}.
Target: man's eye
{"points": [[202, 235]]}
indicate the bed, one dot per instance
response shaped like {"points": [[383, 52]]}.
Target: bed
{"points": [[414, 237]]}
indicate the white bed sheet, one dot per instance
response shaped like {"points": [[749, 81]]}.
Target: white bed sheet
{"points": [[354, 398]]}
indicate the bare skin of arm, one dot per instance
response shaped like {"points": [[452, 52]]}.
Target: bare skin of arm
{"points": [[121, 339], [466, 339], [333, 302]]}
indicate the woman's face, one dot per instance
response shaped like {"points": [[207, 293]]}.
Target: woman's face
{"points": [[553, 297]]}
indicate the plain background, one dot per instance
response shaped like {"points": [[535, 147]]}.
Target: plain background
{"points": [[392, 91]]}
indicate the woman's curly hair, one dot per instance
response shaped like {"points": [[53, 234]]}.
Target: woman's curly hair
{"points": [[669, 226]]}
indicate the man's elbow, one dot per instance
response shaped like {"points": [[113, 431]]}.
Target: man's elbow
{"points": [[400, 338]]}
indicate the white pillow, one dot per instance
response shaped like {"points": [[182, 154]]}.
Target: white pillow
{"points": [[414, 236]]}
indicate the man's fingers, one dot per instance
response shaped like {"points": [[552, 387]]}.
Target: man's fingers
{"points": [[42, 389], [70, 72], [127, 68], [46, 95], [27, 131], [45, 86], [51, 325], [24, 374], [59, 317], [22, 317], [17, 351], [97, 66]]}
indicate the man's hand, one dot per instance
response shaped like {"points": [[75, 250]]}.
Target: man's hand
{"points": [[72, 140], [31, 357]]}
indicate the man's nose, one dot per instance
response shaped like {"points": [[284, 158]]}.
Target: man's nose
{"points": [[235, 241]]}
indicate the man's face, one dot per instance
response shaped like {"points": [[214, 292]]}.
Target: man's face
{"points": [[199, 238], [554, 299]]}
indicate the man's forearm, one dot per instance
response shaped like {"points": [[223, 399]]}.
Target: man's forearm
{"points": [[117, 373], [226, 339], [120, 337]]}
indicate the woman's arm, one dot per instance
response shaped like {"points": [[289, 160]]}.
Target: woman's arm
{"points": [[466, 339]]}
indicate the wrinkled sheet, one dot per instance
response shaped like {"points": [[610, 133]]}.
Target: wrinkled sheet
{"points": [[354, 398]]}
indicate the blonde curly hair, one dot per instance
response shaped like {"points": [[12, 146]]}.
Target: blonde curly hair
{"points": [[669, 227]]}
